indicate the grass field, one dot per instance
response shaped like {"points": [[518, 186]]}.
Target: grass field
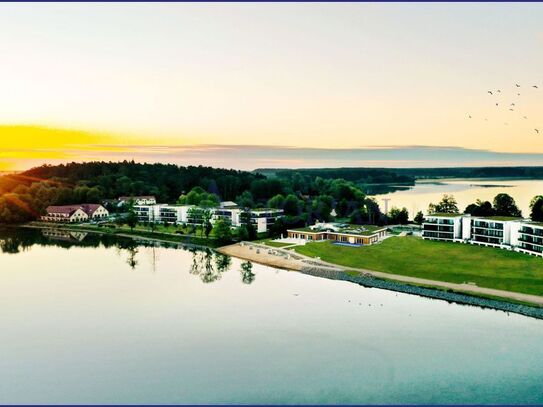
{"points": [[443, 261], [269, 242]]}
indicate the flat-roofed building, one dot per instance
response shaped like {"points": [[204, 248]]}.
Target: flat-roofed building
{"points": [[340, 232], [493, 231], [528, 237], [443, 226], [163, 213], [138, 200]]}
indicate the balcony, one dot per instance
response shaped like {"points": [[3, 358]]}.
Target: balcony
{"points": [[487, 239], [486, 232], [531, 240], [531, 248], [435, 221], [486, 225], [439, 228], [531, 231]]}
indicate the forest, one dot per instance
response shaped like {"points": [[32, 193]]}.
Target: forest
{"points": [[304, 197], [409, 175]]}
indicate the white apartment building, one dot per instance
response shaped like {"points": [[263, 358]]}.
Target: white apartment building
{"points": [[502, 232], [163, 213], [262, 219], [138, 200], [442, 226]]}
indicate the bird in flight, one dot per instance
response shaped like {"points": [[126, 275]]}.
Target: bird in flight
{"points": [[524, 117], [496, 104], [512, 110], [537, 131], [469, 116], [499, 91], [535, 86], [517, 85], [489, 91], [518, 94], [512, 104]]}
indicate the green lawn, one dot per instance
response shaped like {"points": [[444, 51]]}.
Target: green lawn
{"points": [[269, 242], [443, 261]]}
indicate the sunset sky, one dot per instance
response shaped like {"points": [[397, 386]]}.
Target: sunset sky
{"points": [[271, 85]]}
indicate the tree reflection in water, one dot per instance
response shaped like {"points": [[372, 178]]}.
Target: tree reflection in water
{"points": [[247, 275], [208, 264], [131, 260]]}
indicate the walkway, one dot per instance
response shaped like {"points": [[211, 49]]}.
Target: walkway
{"points": [[287, 259]]}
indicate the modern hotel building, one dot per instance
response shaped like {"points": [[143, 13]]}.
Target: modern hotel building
{"points": [[261, 219], [496, 231]]}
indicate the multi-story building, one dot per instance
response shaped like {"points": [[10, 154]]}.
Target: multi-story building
{"points": [[529, 238], [493, 231], [262, 219], [163, 213], [138, 200], [504, 232], [442, 226]]}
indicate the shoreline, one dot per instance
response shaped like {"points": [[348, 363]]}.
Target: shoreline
{"points": [[524, 304], [185, 240]]}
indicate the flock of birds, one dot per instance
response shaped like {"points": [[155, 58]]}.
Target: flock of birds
{"points": [[512, 106]]}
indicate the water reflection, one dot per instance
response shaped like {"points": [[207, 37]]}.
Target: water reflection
{"points": [[247, 275], [208, 264], [131, 260]]}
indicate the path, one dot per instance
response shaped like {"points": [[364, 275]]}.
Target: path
{"points": [[294, 261]]}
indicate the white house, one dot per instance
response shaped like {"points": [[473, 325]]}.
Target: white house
{"points": [[74, 213]]}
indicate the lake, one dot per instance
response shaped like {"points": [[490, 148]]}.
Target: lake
{"points": [[466, 191], [95, 320]]}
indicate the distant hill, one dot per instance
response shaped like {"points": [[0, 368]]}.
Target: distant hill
{"points": [[406, 175], [358, 175]]}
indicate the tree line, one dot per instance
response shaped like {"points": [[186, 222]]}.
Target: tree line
{"points": [[502, 205]]}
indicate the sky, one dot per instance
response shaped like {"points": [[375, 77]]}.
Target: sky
{"points": [[272, 84]]}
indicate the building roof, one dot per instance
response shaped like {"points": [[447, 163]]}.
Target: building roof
{"points": [[89, 209], [228, 204], [361, 230], [127, 198], [266, 210], [498, 218], [533, 223], [443, 215], [64, 209]]}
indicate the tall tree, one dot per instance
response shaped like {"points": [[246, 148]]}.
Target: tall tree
{"points": [[480, 208], [504, 205], [536, 208], [446, 205]]}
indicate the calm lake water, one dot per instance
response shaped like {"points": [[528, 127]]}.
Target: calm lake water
{"points": [[111, 322], [466, 191]]}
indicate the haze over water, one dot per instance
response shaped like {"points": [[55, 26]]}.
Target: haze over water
{"points": [[80, 325]]}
